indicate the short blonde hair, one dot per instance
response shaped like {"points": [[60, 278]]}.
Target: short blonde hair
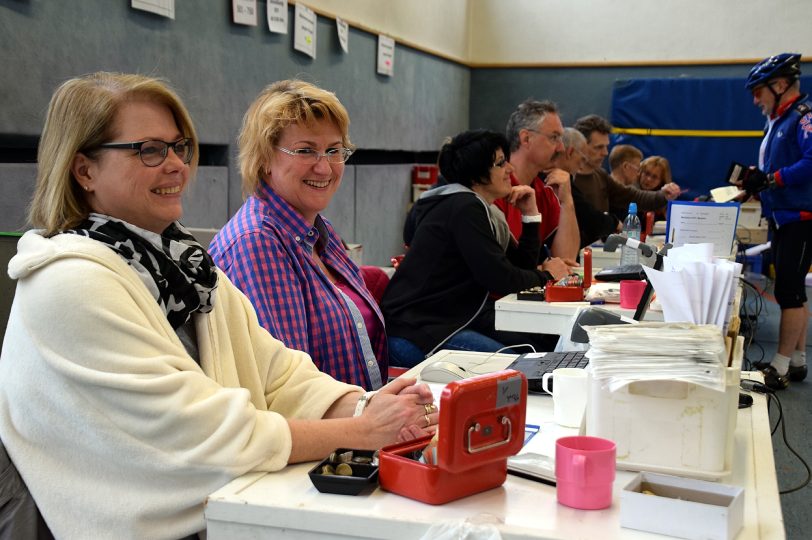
{"points": [[278, 106], [662, 163], [80, 118]]}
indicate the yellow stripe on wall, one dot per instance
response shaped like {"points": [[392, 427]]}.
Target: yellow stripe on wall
{"points": [[686, 132]]}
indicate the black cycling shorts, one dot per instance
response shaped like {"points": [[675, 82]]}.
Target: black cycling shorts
{"points": [[792, 255]]}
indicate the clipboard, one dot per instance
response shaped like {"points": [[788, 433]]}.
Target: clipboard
{"points": [[691, 222]]}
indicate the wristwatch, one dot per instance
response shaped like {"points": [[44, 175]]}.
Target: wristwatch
{"points": [[363, 401]]}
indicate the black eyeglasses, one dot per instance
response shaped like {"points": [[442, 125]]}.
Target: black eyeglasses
{"points": [[502, 163], [154, 152]]}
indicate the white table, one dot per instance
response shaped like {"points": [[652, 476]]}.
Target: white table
{"points": [[285, 504], [549, 317]]}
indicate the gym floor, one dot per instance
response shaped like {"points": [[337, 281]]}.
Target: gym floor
{"points": [[763, 316]]}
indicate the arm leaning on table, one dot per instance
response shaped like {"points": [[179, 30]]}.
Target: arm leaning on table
{"points": [[566, 243], [318, 409]]}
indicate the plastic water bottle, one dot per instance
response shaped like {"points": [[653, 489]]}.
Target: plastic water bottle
{"points": [[631, 228]]}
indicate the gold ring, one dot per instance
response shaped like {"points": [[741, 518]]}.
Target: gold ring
{"points": [[429, 408], [428, 422]]}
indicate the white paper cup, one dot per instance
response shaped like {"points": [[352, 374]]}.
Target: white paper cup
{"points": [[569, 394]]}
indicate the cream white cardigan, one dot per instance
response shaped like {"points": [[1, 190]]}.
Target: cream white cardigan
{"points": [[117, 431]]}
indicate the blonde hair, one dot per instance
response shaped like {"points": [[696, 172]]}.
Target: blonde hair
{"points": [[278, 106], [662, 163], [80, 117]]}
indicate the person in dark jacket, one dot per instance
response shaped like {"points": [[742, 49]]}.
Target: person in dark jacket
{"points": [[459, 252]]}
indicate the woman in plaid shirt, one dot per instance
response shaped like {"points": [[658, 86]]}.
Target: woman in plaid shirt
{"points": [[282, 253]]}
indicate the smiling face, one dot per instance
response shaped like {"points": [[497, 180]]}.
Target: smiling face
{"points": [[309, 188], [499, 176], [118, 184]]}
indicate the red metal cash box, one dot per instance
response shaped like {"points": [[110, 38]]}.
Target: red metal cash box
{"points": [[481, 425], [572, 294]]}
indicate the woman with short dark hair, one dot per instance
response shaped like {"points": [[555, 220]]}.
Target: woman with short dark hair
{"points": [[461, 252]]}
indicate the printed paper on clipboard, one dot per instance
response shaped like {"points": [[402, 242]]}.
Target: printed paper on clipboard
{"points": [[700, 222]]}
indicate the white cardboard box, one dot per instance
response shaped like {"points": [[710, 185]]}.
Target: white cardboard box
{"points": [[669, 426], [682, 507]]}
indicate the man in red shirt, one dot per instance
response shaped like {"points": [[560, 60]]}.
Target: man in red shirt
{"points": [[534, 132]]}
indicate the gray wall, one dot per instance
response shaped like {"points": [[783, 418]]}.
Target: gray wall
{"points": [[218, 68], [577, 91]]}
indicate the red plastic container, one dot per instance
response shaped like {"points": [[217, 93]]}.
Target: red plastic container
{"points": [[572, 294], [481, 425]]}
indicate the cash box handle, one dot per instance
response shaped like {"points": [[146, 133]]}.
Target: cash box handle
{"points": [[473, 429]]}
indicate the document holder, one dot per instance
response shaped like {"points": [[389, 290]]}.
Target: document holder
{"points": [[481, 425]]}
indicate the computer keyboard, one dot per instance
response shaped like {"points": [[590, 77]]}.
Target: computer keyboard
{"points": [[534, 366], [619, 273], [574, 359]]}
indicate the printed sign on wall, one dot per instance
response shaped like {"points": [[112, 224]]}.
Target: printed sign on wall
{"points": [[244, 12], [386, 55], [304, 32], [278, 16], [165, 8], [343, 30]]}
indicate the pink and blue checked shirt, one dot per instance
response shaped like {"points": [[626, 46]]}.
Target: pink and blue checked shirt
{"points": [[265, 249]]}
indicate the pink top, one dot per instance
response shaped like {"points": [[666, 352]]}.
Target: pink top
{"points": [[372, 323]]}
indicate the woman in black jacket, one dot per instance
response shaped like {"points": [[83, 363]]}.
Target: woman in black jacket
{"points": [[461, 254]]}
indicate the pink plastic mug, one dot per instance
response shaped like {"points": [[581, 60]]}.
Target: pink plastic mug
{"points": [[631, 290], [584, 472]]}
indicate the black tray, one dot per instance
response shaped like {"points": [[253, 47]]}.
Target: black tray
{"points": [[363, 475]]}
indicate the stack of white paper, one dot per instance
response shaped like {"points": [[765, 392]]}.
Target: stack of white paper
{"points": [[621, 354], [694, 286]]}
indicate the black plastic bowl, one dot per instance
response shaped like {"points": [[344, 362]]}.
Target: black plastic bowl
{"points": [[363, 475]]}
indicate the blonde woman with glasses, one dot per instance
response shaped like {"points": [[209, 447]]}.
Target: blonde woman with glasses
{"points": [[134, 377], [279, 249]]}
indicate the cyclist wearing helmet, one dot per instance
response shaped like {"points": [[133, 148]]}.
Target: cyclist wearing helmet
{"points": [[783, 180]]}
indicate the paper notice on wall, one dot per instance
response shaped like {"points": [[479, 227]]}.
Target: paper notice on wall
{"points": [[278, 16], [164, 8], [386, 55], [304, 30], [244, 12], [343, 30]]}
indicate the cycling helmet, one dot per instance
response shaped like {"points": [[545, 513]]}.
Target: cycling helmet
{"points": [[781, 65]]}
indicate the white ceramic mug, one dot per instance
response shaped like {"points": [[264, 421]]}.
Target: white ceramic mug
{"points": [[569, 394]]}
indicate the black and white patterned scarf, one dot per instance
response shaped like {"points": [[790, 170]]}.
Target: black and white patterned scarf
{"points": [[177, 270]]}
